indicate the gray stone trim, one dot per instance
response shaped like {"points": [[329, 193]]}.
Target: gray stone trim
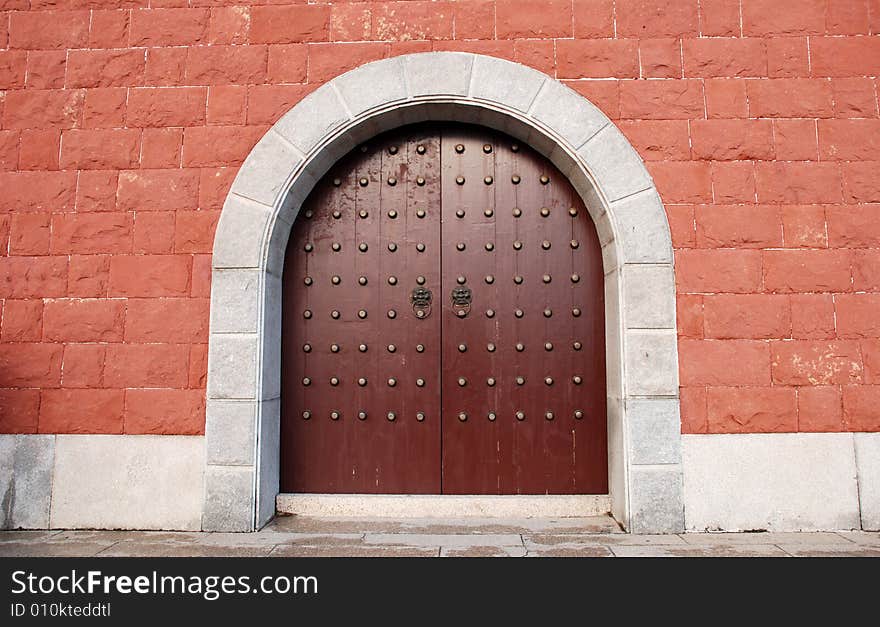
{"points": [[26, 480], [249, 246]]}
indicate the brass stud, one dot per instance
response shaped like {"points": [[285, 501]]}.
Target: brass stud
{"points": [[420, 313], [517, 245], [459, 148], [362, 280], [575, 278], [517, 212], [307, 314], [572, 212], [520, 347], [334, 415], [459, 213], [576, 312], [420, 416], [577, 346], [363, 247], [578, 414], [362, 314], [362, 415], [335, 280], [520, 415], [520, 380], [420, 383], [392, 280], [490, 382], [392, 382], [309, 214], [488, 180], [335, 314], [548, 346], [460, 246], [462, 348], [576, 380], [574, 243], [461, 313], [548, 313], [545, 212], [490, 313], [391, 416], [392, 348], [548, 380], [392, 214], [544, 179], [462, 381], [545, 244], [518, 279], [336, 246], [420, 213], [420, 180], [420, 149], [308, 248], [363, 181], [518, 313], [337, 182], [490, 279], [491, 416], [392, 181], [334, 348], [490, 246], [392, 150], [307, 348], [392, 247], [490, 347], [462, 416], [459, 180], [362, 382], [515, 179], [306, 381], [362, 348], [549, 415], [363, 213], [461, 280], [420, 348], [420, 280], [337, 214], [307, 280], [546, 278], [392, 314], [487, 148], [306, 415], [420, 247], [334, 381], [514, 147], [488, 213]]}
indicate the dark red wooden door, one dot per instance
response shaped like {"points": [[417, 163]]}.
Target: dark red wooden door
{"points": [[444, 324]]}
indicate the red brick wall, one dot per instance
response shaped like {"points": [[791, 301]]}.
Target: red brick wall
{"points": [[123, 123]]}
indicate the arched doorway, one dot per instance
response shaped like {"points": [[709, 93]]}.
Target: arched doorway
{"points": [[443, 324]]}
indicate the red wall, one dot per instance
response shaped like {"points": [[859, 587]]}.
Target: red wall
{"points": [[123, 126]]}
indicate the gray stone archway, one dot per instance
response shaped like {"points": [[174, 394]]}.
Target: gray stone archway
{"points": [[244, 353]]}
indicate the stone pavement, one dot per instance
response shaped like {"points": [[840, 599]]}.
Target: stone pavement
{"points": [[296, 536]]}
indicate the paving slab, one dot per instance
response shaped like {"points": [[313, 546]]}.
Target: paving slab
{"points": [[469, 525], [738, 550], [355, 551], [725, 539], [826, 551], [574, 551], [863, 538], [483, 551], [156, 549], [578, 540], [52, 549], [445, 540]]}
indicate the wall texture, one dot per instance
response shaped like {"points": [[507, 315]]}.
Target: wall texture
{"points": [[124, 122]]}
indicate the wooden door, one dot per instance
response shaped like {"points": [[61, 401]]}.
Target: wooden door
{"points": [[444, 324]]}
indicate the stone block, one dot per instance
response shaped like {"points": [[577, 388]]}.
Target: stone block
{"points": [[265, 173], [615, 165], [229, 498], [573, 118], [656, 499], [313, 118], [642, 229], [229, 432], [654, 427], [372, 85], [651, 363], [438, 73], [232, 366], [269, 460], [868, 467], [26, 463], [649, 296], [235, 300], [498, 80], [240, 233]]}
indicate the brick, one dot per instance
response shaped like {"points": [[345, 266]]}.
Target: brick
{"points": [[402, 21], [177, 412], [39, 108], [694, 417], [149, 275], [681, 225], [109, 29], [598, 58], [737, 226], [719, 18], [724, 57], [100, 148], [844, 56], [198, 366], [201, 276], [288, 63], [105, 68], [22, 321], [726, 98], [166, 106], [733, 181], [30, 365], [267, 103], [96, 191], [689, 315], [871, 357], [820, 409], [37, 191], [229, 25], [166, 66], [861, 407], [29, 234], [158, 190], [218, 145], [660, 58], [47, 30], [19, 410], [658, 140], [854, 98], [353, 22], [858, 315], [105, 107], [718, 270], [795, 140], [88, 276], [592, 19], [656, 18], [161, 148], [45, 69], [661, 99], [732, 139], [708, 362], [153, 232], [540, 55], [327, 61], [682, 181], [167, 320], [849, 140], [227, 104], [194, 231], [83, 366], [9, 141], [790, 98], [523, 18], [33, 277], [291, 24], [169, 27], [803, 226], [77, 320], [860, 181], [798, 182], [214, 184], [90, 233], [81, 411], [747, 316], [13, 69], [225, 65], [807, 270], [816, 362], [845, 17], [783, 17], [605, 94], [146, 365], [865, 265], [752, 410], [787, 57]]}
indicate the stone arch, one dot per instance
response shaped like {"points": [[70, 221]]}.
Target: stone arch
{"points": [[244, 352]]}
